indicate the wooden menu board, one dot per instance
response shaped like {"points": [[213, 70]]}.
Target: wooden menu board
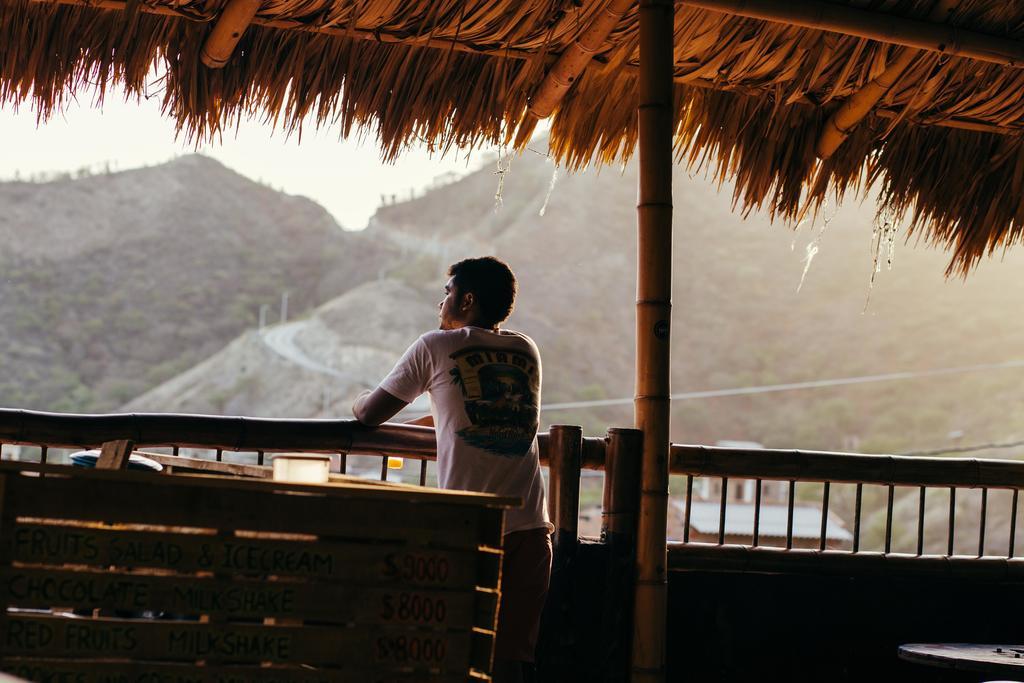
{"points": [[125, 576]]}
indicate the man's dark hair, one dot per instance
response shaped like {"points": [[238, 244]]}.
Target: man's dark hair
{"points": [[492, 283]]}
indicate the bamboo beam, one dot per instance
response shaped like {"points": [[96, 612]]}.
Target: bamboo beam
{"points": [[958, 124], [382, 36], [817, 466], [64, 430], [228, 30], [859, 105], [574, 60], [509, 53], [885, 28], [655, 115], [852, 111]]}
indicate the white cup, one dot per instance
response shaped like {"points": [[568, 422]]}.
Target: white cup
{"points": [[302, 468]]}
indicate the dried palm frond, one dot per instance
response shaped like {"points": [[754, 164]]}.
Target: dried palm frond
{"points": [[751, 96]]}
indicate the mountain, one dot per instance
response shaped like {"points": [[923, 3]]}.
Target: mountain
{"points": [[113, 283], [739, 319]]}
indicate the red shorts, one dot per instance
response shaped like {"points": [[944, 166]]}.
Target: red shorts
{"points": [[525, 573]]}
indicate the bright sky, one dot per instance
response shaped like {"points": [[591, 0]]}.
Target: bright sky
{"points": [[346, 177]]}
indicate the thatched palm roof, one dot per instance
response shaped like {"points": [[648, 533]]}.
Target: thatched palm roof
{"points": [[943, 143]]}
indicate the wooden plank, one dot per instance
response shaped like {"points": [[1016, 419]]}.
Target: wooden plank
{"points": [[373, 649], [114, 455], [346, 487], [79, 671], [147, 500], [236, 598], [380, 563], [761, 560], [181, 463]]}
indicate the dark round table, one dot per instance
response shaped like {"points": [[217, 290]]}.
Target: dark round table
{"points": [[1006, 660]]}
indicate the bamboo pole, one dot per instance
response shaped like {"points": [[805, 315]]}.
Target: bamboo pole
{"points": [[618, 532], [653, 315], [860, 104], [565, 450], [228, 30], [570, 65], [621, 485], [885, 28]]}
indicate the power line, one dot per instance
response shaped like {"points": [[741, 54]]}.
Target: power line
{"points": [[967, 449], [793, 386]]}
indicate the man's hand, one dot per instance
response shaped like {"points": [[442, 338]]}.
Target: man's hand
{"points": [[374, 408]]}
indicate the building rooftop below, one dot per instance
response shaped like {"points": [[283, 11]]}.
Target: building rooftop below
{"points": [[739, 520]]}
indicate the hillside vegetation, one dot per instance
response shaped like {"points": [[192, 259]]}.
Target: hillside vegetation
{"points": [[116, 282]]}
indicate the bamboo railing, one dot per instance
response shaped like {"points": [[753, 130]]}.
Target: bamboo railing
{"points": [[922, 474], [571, 451], [260, 436]]}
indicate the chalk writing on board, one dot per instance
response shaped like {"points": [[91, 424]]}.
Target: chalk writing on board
{"points": [[253, 558], [413, 607], [60, 543], [110, 674], [41, 543], [200, 644], [235, 599], [420, 568], [78, 591], [411, 649], [71, 637]]}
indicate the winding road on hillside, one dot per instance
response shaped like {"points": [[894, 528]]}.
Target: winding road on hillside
{"points": [[281, 340]]}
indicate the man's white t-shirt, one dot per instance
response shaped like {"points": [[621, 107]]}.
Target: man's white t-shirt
{"points": [[484, 389]]}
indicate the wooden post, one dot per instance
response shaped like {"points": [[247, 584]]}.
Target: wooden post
{"points": [[566, 448], [618, 531], [655, 117]]}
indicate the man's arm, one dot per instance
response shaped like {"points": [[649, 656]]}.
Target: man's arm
{"points": [[376, 407]]}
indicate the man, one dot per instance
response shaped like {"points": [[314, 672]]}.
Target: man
{"points": [[484, 386]]}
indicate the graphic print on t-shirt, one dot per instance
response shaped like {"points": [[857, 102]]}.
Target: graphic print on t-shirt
{"points": [[500, 390]]}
